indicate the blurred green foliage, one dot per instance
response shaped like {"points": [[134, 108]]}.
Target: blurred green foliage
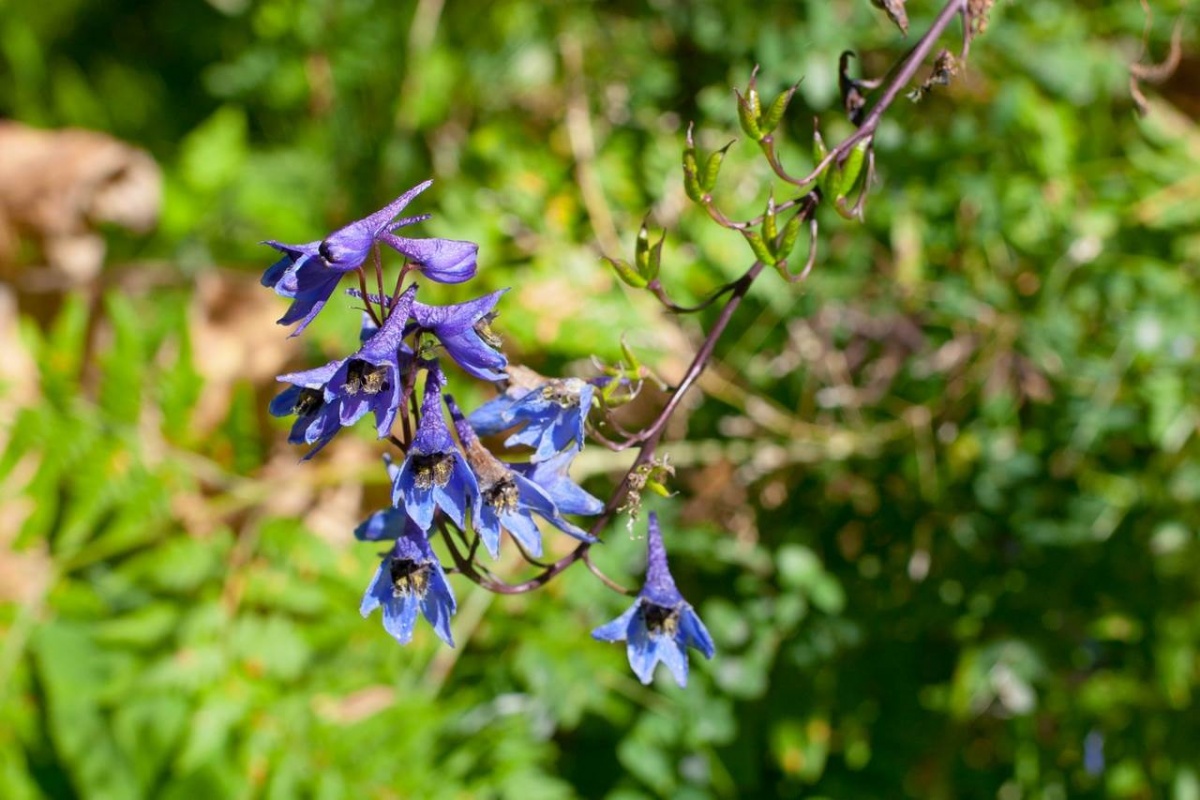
{"points": [[939, 506]]}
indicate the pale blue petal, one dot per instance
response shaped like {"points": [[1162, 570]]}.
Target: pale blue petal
{"points": [[642, 650], [400, 617], [524, 530], [671, 653], [694, 632], [618, 629]]}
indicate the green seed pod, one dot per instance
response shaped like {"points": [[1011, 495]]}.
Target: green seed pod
{"points": [[775, 112], [770, 227], [828, 180], [749, 111], [853, 167], [650, 273], [691, 171], [712, 168], [626, 272], [791, 233], [761, 251], [641, 251]]}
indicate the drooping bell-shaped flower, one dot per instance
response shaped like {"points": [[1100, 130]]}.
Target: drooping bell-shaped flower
{"points": [[434, 474], [552, 413], [409, 579], [660, 625], [507, 499], [338, 394], [551, 475], [464, 329], [316, 421]]}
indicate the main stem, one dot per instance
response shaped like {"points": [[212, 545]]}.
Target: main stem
{"points": [[648, 440], [908, 69], [647, 447]]}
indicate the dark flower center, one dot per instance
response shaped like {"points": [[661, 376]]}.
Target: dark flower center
{"points": [[484, 328], [503, 495], [308, 402], [432, 470], [660, 619], [365, 377], [560, 393], [409, 577]]}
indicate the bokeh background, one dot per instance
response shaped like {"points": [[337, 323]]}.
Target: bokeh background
{"points": [[937, 505]]}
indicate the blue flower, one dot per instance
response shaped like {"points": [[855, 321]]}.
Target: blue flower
{"points": [[308, 273], [302, 276], [507, 499], [553, 413], [551, 475], [316, 421], [341, 392], [434, 474], [408, 579], [660, 625], [465, 331]]}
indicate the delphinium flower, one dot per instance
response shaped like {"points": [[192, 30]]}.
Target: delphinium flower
{"points": [[341, 392], [551, 474], [435, 474], [660, 625], [551, 411], [445, 473], [308, 273], [409, 577], [464, 329], [507, 500], [316, 421]]}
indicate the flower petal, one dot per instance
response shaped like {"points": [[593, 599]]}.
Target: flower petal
{"points": [[618, 629], [672, 653], [441, 260], [642, 650], [400, 617], [692, 629]]}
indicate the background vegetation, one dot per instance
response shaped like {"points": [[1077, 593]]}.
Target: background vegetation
{"points": [[938, 505]]}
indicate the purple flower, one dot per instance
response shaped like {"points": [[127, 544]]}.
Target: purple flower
{"points": [[341, 392], [316, 421], [440, 260], [408, 579], [552, 414], [465, 331], [434, 474], [308, 273], [660, 625], [507, 499]]}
